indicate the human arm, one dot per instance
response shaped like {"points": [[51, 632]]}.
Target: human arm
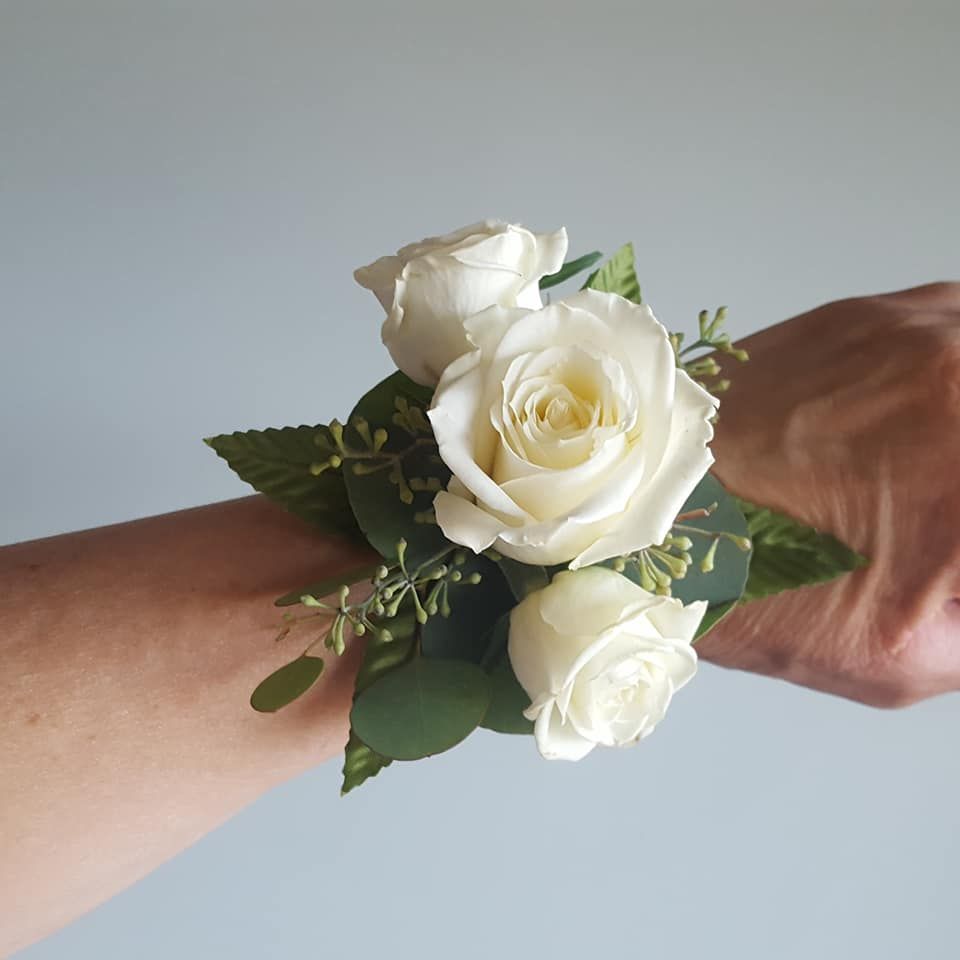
{"points": [[128, 657], [129, 652], [848, 418]]}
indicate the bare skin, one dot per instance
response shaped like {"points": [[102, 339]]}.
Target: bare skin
{"points": [[848, 417], [129, 651]]}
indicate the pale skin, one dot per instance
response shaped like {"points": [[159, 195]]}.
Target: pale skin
{"points": [[129, 652]]}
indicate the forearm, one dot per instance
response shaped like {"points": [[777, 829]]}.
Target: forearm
{"points": [[129, 654]]}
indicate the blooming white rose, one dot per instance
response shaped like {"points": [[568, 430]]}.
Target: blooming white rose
{"points": [[570, 432], [429, 288], [600, 658]]}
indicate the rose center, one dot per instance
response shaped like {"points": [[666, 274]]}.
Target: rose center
{"points": [[560, 411]]}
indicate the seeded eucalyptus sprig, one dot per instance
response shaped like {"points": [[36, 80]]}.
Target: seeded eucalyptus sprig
{"points": [[706, 369], [426, 586], [372, 455], [656, 568]]}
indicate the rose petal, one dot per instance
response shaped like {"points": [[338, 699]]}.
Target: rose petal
{"points": [[465, 523], [379, 278], [557, 740], [654, 507]]}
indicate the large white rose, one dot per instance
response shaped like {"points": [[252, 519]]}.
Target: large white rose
{"points": [[570, 433], [429, 288], [600, 658]]}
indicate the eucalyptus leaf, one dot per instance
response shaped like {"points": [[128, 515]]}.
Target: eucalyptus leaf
{"points": [[523, 578], [788, 554], [508, 699], [618, 275], [324, 588], [285, 685], [360, 762], [376, 500], [475, 608], [712, 617], [570, 269], [723, 586], [422, 708], [276, 462]]}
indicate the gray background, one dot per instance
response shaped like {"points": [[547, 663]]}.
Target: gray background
{"points": [[184, 191]]}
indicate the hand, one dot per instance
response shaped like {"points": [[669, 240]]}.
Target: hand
{"points": [[848, 418]]}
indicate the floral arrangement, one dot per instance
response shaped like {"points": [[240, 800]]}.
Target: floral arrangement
{"points": [[535, 479]]}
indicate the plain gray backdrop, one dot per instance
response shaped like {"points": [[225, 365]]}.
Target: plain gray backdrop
{"points": [[185, 188]]}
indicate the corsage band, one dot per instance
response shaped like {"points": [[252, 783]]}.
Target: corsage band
{"points": [[535, 478]]}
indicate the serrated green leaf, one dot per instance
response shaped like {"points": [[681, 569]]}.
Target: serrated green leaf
{"points": [[570, 269], [283, 686], [422, 708], [523, 578], [788, 554], [276, 463], [508, 699], [375, 500], [324, 588], [475, 608], [618, 275], [360, 763]]}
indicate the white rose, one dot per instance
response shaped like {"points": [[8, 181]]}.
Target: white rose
{"points": [[429, 288], [570, 433], [600, 659]]}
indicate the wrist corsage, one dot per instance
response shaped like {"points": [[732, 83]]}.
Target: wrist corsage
{"points": [[535, 479]]}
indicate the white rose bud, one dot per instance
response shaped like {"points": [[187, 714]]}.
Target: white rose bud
{"points": [[600, 659], [429, 288], [570, 433]]}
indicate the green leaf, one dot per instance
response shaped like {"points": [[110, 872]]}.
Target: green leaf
{"points": [[323, 588], [723, 586], [422, 708], [712, 617], [283, 686], [523, 578], [570, 269], [475, 608], [508, 699], [375, 499], [360, 762], [617, 275], [276, 462], [788, 554]]}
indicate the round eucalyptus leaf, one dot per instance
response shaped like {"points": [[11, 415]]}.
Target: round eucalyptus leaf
{"points": [[283, 686], [712, 617], [474, 609], [524, 578], [508, 699], [374, 497], [723, 586], [422, 708]]}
